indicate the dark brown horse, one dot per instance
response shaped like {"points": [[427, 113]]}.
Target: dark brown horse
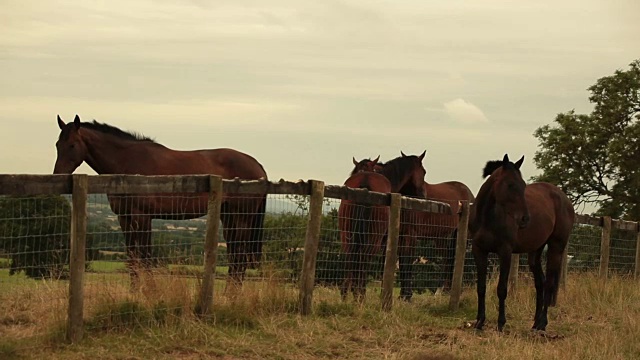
{"points": [[440, 227], [109, 150], [362, 228], [406, 175], [512, 217]]}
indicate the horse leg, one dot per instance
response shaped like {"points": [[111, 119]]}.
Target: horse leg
{"points": [[256, 237], [554, 265], [137, 234], [480, 257], [347, 283], [406, 256], [503, 282], [233, 248], [366, 254], [535, 265]]}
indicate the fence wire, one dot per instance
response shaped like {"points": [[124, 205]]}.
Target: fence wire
{"points": [[427, 248], [351, 249], [34, 257], [584, 248], [623, 251], [163, 281], [170, 278]]}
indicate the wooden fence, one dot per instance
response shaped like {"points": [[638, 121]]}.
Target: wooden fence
{"points": [[82, 185]]}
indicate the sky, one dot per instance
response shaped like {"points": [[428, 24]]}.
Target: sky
{"points": [[304, 86]]}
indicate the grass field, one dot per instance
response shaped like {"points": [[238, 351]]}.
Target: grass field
{"points": [[593, 320]]}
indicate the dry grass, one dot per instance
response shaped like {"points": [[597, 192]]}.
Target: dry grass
{"points": [[593, 320]]}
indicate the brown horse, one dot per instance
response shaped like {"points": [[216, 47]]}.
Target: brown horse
{"points": [[362, 228], [441, 227], [512, 217], [406, 175], [109, 150]]}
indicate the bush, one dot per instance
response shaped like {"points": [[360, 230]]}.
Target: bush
{"points": [[35, 234]]}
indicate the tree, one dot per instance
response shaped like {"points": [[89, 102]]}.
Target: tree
{"points": [[595, 157], [34, 232]]}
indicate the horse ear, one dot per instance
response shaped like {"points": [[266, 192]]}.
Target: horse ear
{"points": [[422, 156], [403, 155], [60, 123], [76, 121], [375, 161], [505, 159], [519, 162], [354, 161]]}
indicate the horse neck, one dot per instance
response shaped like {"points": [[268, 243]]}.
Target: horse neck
{"points": [[484, 207], [397, 180], [108, 154]]}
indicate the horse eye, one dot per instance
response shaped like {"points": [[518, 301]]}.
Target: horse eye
{"points": [[72, 146]]}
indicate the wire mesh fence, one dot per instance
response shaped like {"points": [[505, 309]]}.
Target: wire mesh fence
{"points": [[427, 250], [145, 254], [623, 251], [256, 248], [584, 248], [34, 257]]}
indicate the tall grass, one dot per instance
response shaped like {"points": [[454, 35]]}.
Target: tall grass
{"points": [[593, 320]]}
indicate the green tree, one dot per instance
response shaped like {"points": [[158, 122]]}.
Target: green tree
{"points": [[34, 232], [595, 157]]}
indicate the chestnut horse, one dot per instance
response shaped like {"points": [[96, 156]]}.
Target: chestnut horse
{"points": [[109, 150], [440, 227], [405, 175], [362, 228], [512, 217]]}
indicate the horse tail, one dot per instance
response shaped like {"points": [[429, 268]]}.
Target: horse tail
{"points": [[361, 246], [361, 225], [257, 234]]}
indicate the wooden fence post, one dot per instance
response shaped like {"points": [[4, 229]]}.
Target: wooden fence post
{"points": [[461, 250], [514, 272], [77, 257], [604, 246], [636, 273], [214, 206], [391, 254], [312, 240]]}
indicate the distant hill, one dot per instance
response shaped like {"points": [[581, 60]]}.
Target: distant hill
{"points": [[276, 204]]}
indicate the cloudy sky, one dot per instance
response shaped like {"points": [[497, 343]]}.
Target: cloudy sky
{"points": [[305, 85]]}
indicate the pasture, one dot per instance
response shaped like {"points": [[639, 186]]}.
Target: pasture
{"points": [[263, 319], [593, 320]]}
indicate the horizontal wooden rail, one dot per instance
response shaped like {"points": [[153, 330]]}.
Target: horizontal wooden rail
{"points": [[615, 223], [25, 185]]}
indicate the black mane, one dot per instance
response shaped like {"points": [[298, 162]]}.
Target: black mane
{"points": [[494, 165], [395, 170], [112, 130]]}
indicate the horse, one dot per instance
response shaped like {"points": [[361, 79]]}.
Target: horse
{"points": [[109, 150], [363, 227], [406, 175], [441, 227], [511, 217]]}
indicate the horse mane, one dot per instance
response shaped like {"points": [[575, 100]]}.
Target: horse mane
{"points": [[483, 199], [493, 165], [396, 169], [112, 130]]}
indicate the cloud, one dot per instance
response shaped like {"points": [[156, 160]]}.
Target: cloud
{"points": [[465, 112]]}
